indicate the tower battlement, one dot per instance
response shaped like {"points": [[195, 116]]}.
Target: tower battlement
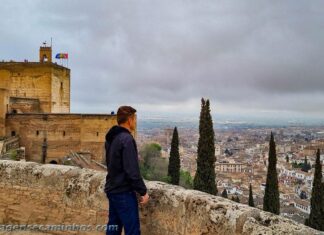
{"points": [[45, 54]]}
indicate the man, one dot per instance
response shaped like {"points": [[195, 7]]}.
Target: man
{"points": [[123, 179]]}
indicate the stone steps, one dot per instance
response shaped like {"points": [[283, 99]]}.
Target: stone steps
{"points": [[83, 162]]}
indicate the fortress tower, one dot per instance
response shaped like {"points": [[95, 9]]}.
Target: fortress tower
{"points": [[35, 105], [45, 54], [42, 87]]}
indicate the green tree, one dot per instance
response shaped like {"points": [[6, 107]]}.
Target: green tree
{"points": [[316, 216], [152, 165], [287, 159], [13, 154], [271, 201], [306, 166], [186, 180], [251, 201], [174, 160], [297, 165], [150, 151], [224, 193], [204, 179]]}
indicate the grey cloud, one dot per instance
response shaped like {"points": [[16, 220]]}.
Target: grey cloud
{"points": [[241, 54]]}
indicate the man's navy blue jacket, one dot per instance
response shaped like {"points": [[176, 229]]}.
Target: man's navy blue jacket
{"points": [[122, 162]]}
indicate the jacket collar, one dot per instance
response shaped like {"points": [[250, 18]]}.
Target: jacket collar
{"points": [[114, 131]]}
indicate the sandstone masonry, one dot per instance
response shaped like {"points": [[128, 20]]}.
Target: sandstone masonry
{"points": [[33, 193]]}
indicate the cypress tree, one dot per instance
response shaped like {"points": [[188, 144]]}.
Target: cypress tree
{"points": [[251, 202], [174, 160], [204, 179], [306, 166], [315, 219], [224, 193], [271, 201], [322, 207]]}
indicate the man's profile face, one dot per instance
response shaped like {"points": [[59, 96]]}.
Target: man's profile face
{"points": [[132, 122]]}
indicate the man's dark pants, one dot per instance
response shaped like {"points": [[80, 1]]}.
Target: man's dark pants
{"points": [[123, 212]]}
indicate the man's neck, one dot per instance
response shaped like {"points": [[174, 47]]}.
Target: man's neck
{"points": [[126, 127]]}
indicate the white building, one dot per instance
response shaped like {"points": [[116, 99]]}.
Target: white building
{"points": [[218, 150], [302, 205], [234, 190], [226, 166]]}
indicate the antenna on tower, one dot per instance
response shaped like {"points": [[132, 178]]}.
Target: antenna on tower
{"points": [[51, 41]]}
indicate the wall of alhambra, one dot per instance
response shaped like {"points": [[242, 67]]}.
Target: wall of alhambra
{"points": [[55, 194], [83, 132], [61, 90], [28, 80], [4, 101], [4, 77], [24, 105], [93, 132]]}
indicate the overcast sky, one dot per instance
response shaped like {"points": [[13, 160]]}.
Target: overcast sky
{"points": [[251, 58]]}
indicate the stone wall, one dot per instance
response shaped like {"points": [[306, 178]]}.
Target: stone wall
{"points": [[63, 132], [28, 81], [61, 90], [24, 105], [31, 193], [47, 82], [53, 194], [4, 102]]}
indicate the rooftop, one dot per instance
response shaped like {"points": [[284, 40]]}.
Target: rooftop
{"points": [[8, 64]]}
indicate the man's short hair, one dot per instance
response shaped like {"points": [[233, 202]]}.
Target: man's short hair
{"points": [[123, 113]]}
